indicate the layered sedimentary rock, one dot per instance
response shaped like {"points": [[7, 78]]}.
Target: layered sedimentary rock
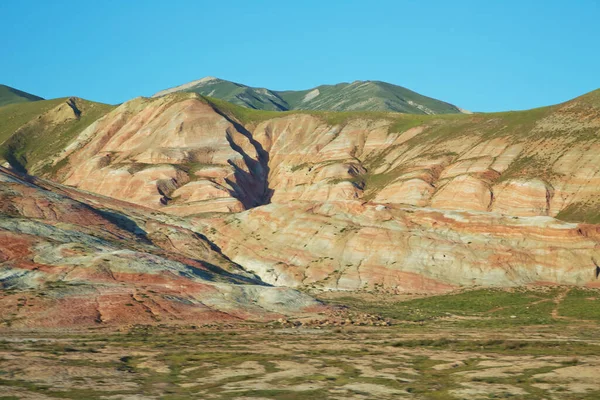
{"points": [[493, 181], [144, 151], [524, 198], [182, 154], [354, 245], [64, 262]]}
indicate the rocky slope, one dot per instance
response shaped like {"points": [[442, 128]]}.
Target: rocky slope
{"points": [[66, 259], [355, 96], [354, 245], [185, 155], [347, 200]]}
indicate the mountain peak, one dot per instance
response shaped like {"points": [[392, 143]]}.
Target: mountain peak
{"points": [[190, 85]]}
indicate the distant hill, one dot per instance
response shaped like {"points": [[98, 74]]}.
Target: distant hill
{"points": [[355, 96], [9, 95]]}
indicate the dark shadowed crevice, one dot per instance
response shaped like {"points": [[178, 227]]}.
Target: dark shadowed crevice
{"points": [[256, 183]]}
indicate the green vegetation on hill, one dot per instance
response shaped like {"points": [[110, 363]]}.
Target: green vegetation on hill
{"points": [[243, 115], [259, 99], [488, 308], [251, 117], [355, 96], [582, 212], [366, 96], [13, 116], [30, 135], [9, 95]]}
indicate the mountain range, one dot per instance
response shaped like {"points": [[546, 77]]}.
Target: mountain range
{"points": [[355, 96], [238, 206]]}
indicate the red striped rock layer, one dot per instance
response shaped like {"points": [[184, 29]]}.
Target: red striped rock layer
{"points": [[354, 246], [184, 156], [478, 192], [65, 263]]}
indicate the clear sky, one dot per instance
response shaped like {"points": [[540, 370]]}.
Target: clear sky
{"points": [[480, 55]]}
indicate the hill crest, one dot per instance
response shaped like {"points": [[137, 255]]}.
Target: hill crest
{"points": [[10, 95], [368, 95]]}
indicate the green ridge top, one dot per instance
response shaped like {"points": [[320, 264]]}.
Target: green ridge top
{"points": [[9, 95], [355, 96]]}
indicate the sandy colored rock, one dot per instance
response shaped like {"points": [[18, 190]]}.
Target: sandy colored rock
{"points": [[416, 192], [71, 264], [523, 198], [351, 246], [424, 204], [463, 193]]}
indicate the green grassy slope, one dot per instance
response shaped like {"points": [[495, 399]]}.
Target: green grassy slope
{"points": [[28, 136], [568, 119], [9, 95], [492, 308], [366, 96], [13, 116], [236, 93], [356, 96]]}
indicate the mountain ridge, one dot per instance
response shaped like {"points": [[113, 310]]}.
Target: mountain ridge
{"points": [[370, 95], [10, 95]]}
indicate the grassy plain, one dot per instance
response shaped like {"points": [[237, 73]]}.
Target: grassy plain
{"points": [[538, 343]]}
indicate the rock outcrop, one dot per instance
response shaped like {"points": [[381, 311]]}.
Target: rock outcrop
{"points": [[182, 154], [153, 152], [354, 245], [64, 262], [342, 201]]}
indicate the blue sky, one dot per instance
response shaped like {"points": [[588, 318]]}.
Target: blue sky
{"points": [[479, 55]]}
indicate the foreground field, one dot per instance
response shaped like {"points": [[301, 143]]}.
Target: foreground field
{"points": [[522, 344]]}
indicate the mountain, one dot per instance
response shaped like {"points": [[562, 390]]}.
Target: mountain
{"points": [[353, 200], [355, 96], [9, 95], [73, 259]]}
